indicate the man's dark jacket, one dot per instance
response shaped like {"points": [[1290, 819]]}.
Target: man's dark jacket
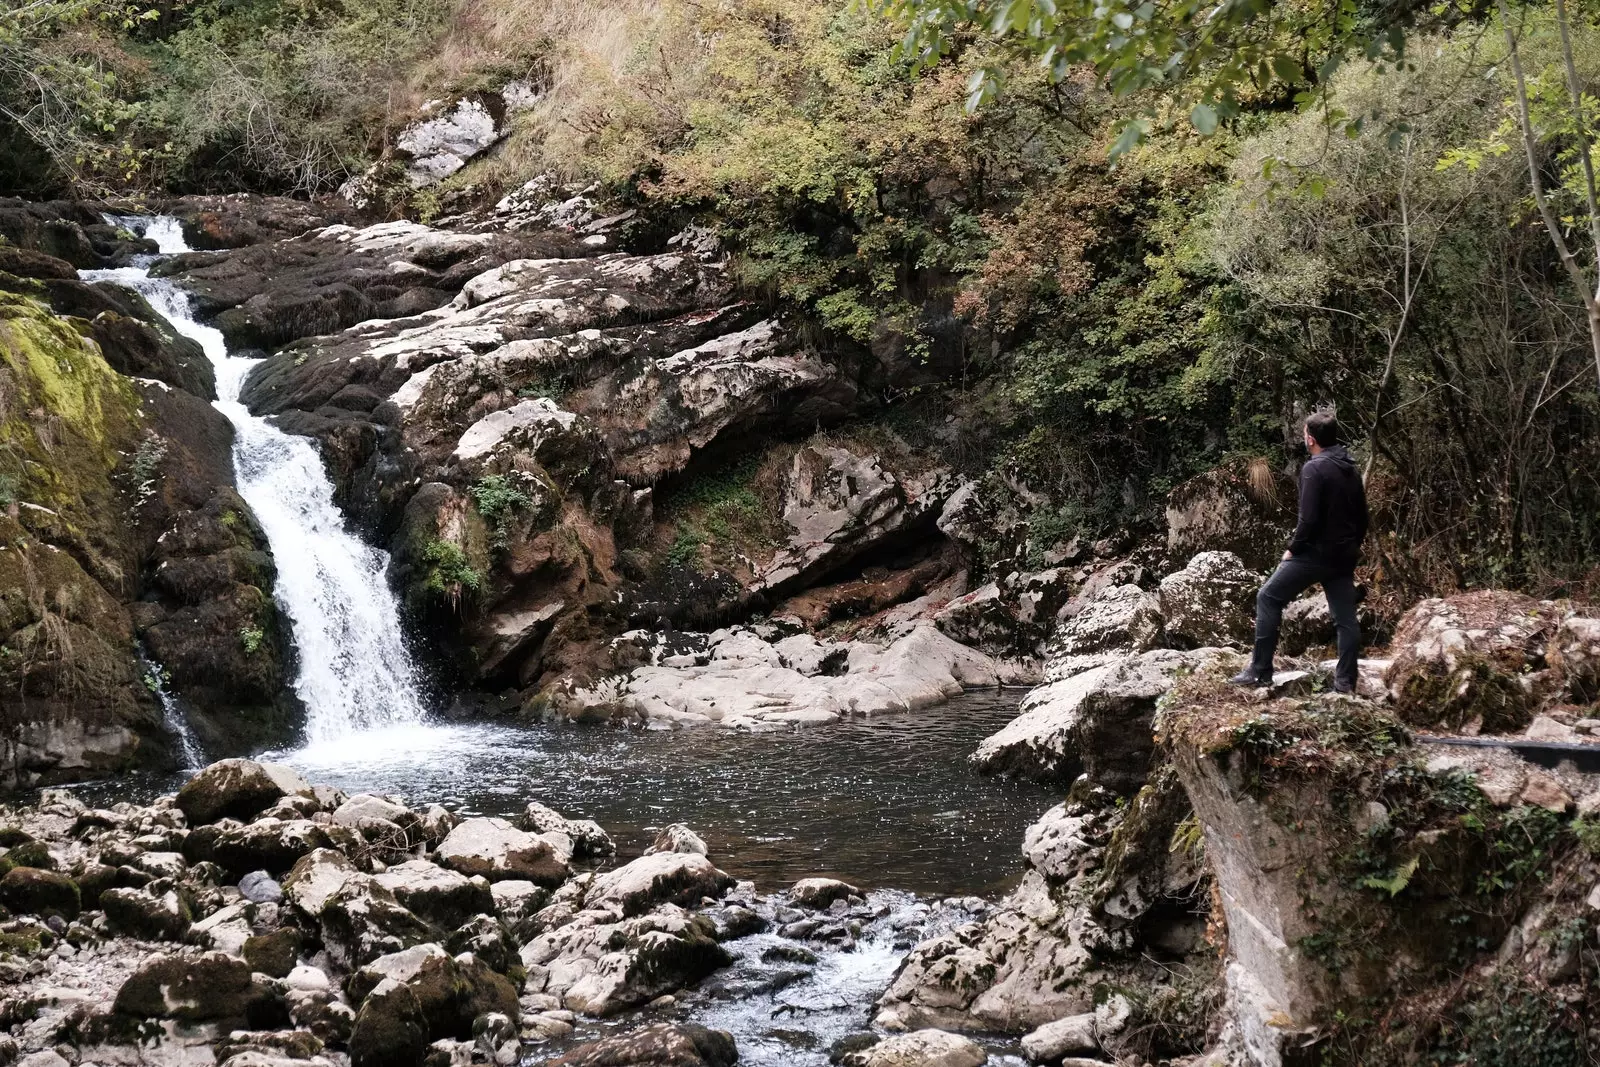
{"points": [[1333, 511]]}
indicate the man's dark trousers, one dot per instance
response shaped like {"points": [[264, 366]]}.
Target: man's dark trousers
{"points": [[1293, 577]]}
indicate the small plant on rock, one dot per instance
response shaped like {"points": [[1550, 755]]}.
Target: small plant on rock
{"points": [[251, 639], [498, 500]]}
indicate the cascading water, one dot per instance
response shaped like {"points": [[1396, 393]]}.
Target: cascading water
{"points": [[190, 755], [355, 672]]}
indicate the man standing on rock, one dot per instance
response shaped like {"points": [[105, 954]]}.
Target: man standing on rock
{"points": [[1326, 543]]}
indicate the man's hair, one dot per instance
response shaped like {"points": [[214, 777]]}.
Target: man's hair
{"points": [[1323, 428]]}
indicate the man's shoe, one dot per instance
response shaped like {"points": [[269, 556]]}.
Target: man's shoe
{"points": [[1250, 680], [1344, 687]]}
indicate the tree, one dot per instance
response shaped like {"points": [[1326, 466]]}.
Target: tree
{"points": [[1207, 56], [1574, 125]]}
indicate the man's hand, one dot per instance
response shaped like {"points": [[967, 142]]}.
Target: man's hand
{"points": [[1287, 555]]}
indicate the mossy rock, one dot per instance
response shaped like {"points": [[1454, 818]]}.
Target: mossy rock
{"points": [[32, 891], [28, 854], [273, 954], [390, 1029], [212, 987]]}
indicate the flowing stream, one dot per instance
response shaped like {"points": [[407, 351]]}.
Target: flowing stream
{"points": [[354, 670], [889, 804]]}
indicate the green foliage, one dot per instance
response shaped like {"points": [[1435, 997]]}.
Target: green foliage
{"points": [[1511, 1022], [719, 508], [8, 490], [498, 500], [251, 639], [1212, 59], [450, 575], [684, 551], [1586, 828]]}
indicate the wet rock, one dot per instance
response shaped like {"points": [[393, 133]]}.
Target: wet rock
{"points": [[376, 818], [588, 839], [818, 893], [444, 897], [209, 987], [142, 914], [1211, 601], [664, 1044], [261, 888], [922, 1048], [676, 837], [236, 788], [32, 891], [1050, 1042], [683, 878], [498, 851]]}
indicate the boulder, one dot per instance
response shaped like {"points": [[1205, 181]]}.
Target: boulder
{"points": [[818, 893], [443, 897], [1100, 721], [1471, 662], [924, 1048], [259, 887], [497, 850], [209, 987], [516, 902], [268, 844], [142, 914], [676, 837], [363, 921], [32, 891], [1052, 1041], [683, 878], [274, 953], [1228, 511], [451, 991], [588, 839], [238, 789], [390, 1029], [1211, 601], [1574, 656], [599, 965], [660, 1045], [1120, 618], [317, 878]]}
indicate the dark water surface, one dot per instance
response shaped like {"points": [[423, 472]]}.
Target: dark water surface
{"points": [[884, 802]]}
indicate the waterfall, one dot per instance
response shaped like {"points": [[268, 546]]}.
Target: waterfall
{"points": [[191, 757], [355, 672]]}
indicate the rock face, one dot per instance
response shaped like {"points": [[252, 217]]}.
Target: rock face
{"points": [[119, 518]]}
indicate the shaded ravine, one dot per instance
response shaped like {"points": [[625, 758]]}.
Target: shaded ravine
{"points": [[890, 804]]}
